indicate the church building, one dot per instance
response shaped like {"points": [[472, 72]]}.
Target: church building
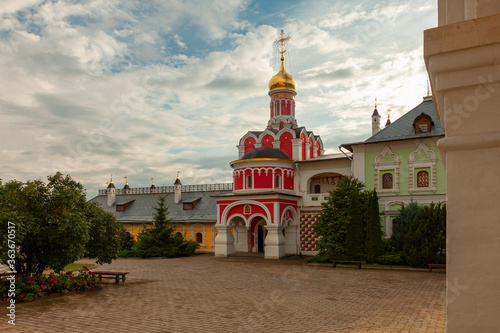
{"points": [[282, 176]]}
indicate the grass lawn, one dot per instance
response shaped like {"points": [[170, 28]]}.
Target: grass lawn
{"points": [[76, 266]]}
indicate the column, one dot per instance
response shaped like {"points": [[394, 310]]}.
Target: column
{"points": [[242, 245], [462, 60], [292, 239], [224, 241], [275, 242], [296, 145]]}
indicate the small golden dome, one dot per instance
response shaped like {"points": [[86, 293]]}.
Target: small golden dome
{"points": [[282, 80]]}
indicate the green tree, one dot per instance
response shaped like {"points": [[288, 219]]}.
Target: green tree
{"points": [[52, 225], [374, 234], [159, 241], [126, 240], [104, 235], [407, 214], [333, 223], [425, 243], [355, 234]]}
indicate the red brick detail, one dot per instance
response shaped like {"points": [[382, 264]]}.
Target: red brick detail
{"points": [[308, 239]]}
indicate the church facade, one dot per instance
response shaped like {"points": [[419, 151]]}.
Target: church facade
{"points": [[282, 176]]}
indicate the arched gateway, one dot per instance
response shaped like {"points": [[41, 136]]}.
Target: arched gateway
{"points": [[260, 216]]}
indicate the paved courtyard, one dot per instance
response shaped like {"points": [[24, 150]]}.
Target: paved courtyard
{"points": [[207, 294]]}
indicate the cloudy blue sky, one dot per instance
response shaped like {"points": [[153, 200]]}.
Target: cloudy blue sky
{"points": [[145, 88]]}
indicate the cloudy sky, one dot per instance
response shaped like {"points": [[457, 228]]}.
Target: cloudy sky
{"points": [[146, 88]]}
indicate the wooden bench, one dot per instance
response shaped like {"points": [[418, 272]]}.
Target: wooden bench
{"points": [[335, 262], [111, 275], [431, 266]]}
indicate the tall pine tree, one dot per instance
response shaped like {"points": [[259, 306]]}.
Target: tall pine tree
{"points": [[374, 234], [355, 233], [159, 241]]}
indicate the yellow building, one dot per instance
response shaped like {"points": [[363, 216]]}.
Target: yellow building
{"points": [[192, 209]]}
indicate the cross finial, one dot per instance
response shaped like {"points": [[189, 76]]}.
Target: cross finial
{"points": [[111, 180], [126, 181], [153, 181], [282, 40], [375, 102], [178, 174], [389, 114]]}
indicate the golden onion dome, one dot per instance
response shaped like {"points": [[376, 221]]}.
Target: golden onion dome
{"points": [[282, 80]]}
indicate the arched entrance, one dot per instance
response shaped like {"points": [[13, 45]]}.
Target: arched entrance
{"points": [[260, 238], [258, 235]]}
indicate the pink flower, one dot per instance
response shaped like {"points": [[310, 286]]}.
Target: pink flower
{"points": [[31, 282]]}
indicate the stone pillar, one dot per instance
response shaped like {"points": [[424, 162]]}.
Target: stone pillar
{"points": [[308, 150], [296, 145], [463, 60], [242, 244], [241, 151], [292, 239], [275, 242], [224, 241]]}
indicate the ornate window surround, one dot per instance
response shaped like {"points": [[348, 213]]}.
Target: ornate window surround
{"points": [[381, 166], [195, 230], [415, 163]]}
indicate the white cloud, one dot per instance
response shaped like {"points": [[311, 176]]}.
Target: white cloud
{"points": [[145, 89]]}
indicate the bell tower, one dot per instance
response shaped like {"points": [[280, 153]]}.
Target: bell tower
{"points": [[282, 92]]}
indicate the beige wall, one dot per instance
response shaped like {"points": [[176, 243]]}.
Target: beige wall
{"points": [[452, 11], [463, 60]]}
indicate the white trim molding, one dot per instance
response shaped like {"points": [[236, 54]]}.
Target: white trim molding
{"points": [[428, 161], [387, 165]]}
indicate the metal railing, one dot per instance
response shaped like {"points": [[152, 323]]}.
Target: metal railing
{"points": [[170, 189]]}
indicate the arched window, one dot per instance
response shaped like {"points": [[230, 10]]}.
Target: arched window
{"points": [[247, 210], [422, 179], [178, 234], [387, 180], [278, 108], [249, 181], [198, 237], [317, 188], [277, 181]]}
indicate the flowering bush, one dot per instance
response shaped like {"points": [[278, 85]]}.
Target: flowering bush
{"points": [[49, 284]]}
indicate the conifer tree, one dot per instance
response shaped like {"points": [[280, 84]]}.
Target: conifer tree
{"points": [[374, 234], [407, 214], [334, 221], [355, 233], [425, 243], [159, 241]]}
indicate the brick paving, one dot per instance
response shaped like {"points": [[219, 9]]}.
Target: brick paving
{"points": [[207, 294]]}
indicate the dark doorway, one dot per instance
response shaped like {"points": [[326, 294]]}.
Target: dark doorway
{"points": [[260, 239]]}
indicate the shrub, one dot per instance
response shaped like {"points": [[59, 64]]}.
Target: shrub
{"points": [[333, 223], [407, 214], [325, 257], [126, 240], [391, 259], [354, 244], [128, 254], [374, 234], [41, 285], [425, 243]]}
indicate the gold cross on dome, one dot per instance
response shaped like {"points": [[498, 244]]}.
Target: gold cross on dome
{"points": [[282, 40]]}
